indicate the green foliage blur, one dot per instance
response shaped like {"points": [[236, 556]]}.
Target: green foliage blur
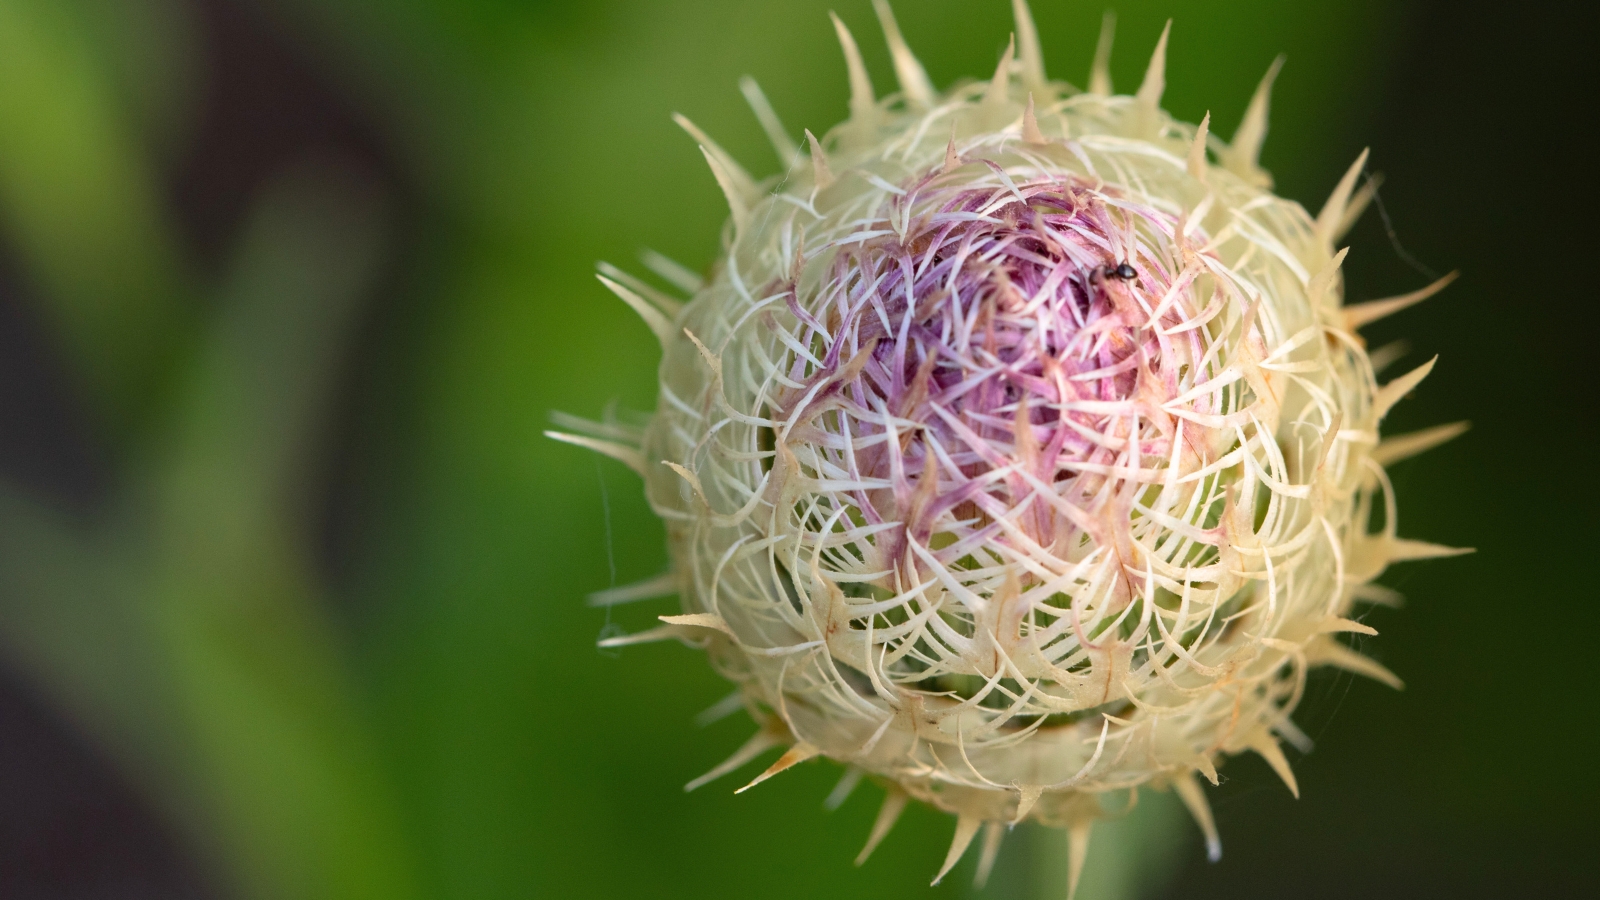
{"points": [[429, 717]]}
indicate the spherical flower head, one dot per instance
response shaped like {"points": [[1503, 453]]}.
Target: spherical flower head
{"points": [[1017, 454]]}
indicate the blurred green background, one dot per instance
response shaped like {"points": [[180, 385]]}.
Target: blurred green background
{"points": [[292, 590]]}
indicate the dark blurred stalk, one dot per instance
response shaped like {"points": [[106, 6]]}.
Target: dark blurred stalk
{"points": [[188, 634], [80, 202], [257, 665]]}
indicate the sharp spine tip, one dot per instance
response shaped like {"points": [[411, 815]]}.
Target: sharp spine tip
{"points": [[1243, 155], [1359, 315], [913, 78], [1033, 78], [631, 457], [1155, 75], [673, 272], [842, 791], [699, 620], [993, 832], [1387, 355], [1268, 749], [1194, 798], [1077, 853], [863, 105], [669, 306], [741, 181], [821, 175], [782, 144], [1197, 150], [952, 159], [792, 757], [894, 803], [648, 636], [1100, 70], [1405, 550], [1329, 651], [966, 828], [1332, 214], [1317, 286], [1001, 82], [1394, 449], [1030, 124], [660, 586], [758, 743], [1395, 390], [1358, 204], [720, 710], [1339, 624], [1376, 593], [737, 208], [1289, 731], [654, 319]]}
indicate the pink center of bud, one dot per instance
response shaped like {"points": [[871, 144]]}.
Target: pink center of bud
{"points": [[999, 367]]}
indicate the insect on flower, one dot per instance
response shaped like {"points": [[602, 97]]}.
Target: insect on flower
{"points": [[1020, 452]]}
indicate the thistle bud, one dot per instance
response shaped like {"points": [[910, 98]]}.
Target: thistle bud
{"points": [[1016, 453]]}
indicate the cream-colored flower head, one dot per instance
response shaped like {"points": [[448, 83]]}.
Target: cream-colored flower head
{"points": [[1019, 449]]}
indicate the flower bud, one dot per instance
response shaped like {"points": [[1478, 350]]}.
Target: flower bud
{"points": [[1017, 453]]}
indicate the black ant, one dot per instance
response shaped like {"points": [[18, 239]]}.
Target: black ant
{"points": [[1121, 271]]}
